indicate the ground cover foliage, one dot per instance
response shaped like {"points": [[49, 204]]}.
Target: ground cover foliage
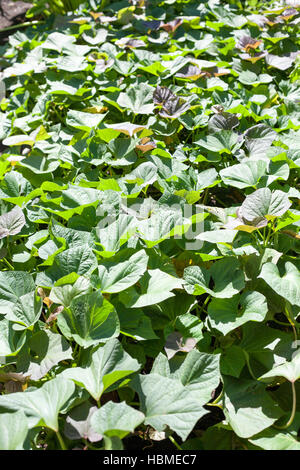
{"points": [[149, 284]]}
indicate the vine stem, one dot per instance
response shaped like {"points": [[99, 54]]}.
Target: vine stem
{"points": [[256, 241], [217, 399], [204, 304], [215, 404], [8, 264], [175, 443], [281, 322], [78, 358], [289, 316], [205, 195], [75, 349], [285, 426], [295, 332], [261, 236], [268, 237], [22, 25], [191, 133], [249, 365], [61, 441], [8, 247]]}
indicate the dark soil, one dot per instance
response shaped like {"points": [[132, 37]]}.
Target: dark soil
{"points": [[12, 13]]}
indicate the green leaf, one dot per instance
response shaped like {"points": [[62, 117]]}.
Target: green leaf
{"points": [[196, 280], [113, 443], [244, 175], [166, 402], [119, 275], [106, 365], [226, 315], [47, 350], [288, 218], [27, 310], [155, 286], [89, 320], [189, 325], [13, 430], [12, 222], [287, 284], [217, 439], [57, 41], [232, 361], [135, 323], [138, 99], [39, 164], [259, 137], [198, 372], [149, 192], [18, 299], [163, 224], [98, 38], [272, 439], [15, 140], [13, 286], [290, 370], [264, 202], [77, 260], [116, 419], [223, 141], [122, 150], [117, 233], [218, 236], [64, 294], [42, 405], [279, 62], [11, 341], [248, 408], [227, 276]]}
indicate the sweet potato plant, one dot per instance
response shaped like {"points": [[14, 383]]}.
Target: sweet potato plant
{"points": [[149, 227]]}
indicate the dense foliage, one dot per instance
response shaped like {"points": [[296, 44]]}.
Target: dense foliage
{"points": [[149, 186]]}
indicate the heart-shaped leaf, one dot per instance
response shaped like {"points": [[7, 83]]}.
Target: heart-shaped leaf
{"points": [[248, 408], [12, 222], [116, 419], [286, 285], [264, 202], [105, 366], [89, 320], [166, 402], [42, 405], [289, 370]]}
